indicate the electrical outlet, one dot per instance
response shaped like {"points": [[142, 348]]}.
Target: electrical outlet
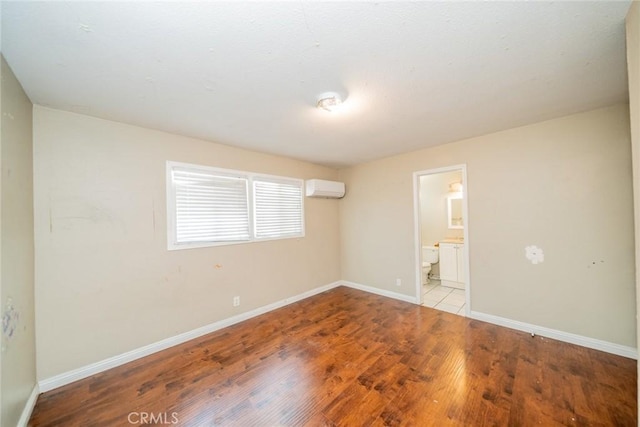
{"points": [[236, 301], [398, 282]]}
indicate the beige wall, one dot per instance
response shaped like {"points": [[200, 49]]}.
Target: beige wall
{"points": [[633, 63], [105, 282], [563, 184], [18, 351]]}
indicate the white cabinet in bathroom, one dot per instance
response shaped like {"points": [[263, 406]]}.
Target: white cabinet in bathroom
{"points": [[452, 265]]}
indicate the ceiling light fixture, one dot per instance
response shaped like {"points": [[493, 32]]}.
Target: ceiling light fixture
{"points": [[329, 101]]}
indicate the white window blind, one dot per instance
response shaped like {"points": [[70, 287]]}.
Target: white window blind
{"points": [[277, 208], [210, 206]]}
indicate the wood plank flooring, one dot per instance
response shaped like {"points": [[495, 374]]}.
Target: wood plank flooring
{"points": [[350, 358]]}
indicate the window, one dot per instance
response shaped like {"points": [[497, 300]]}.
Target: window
{"points": [[277, 207], [209, 206]]}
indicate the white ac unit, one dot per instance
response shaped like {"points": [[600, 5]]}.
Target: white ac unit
{"points": [[326, 189]]}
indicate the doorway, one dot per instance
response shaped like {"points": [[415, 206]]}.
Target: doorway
{"points": [[442, 239]]}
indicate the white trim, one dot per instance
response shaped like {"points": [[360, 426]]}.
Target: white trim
{"points": [[620, 350], [465, 248], [567, 337], [86, 371], [28, 407], [378, 291], [112, 362], [417, 235], [417, 230]]}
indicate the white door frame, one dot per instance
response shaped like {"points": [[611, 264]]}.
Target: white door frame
{"points": [[418, 231]]}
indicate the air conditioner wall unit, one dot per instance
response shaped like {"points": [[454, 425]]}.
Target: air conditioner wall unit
{"points": [[325, 189]]}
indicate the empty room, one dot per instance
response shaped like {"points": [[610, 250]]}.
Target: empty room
{"points": [[319, 213]]}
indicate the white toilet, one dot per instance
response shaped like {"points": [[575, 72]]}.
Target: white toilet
{"points": [[429, 256]]}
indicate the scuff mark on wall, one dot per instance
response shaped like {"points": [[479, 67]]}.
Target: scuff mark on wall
{"points": [[534, 254], [77, 212], [594, 263], [175, 276], [10, 321], [86, 28]]}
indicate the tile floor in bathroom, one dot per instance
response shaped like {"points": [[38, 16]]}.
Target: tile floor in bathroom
{"points": [[443, 298]]}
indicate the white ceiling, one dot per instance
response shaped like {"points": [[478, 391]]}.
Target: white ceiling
{"points": [[247, 74]]}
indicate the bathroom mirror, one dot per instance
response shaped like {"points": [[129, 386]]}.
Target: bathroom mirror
{"points": [[454, 212]]}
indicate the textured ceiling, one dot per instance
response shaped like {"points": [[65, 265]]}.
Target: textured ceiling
{"points": [[248, 74]]}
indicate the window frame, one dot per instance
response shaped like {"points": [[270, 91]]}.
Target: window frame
{"points": [[172, 244]]}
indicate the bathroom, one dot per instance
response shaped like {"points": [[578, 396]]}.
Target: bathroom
{"points": [[442, 227]]}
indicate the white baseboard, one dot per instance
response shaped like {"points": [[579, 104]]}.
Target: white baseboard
{"points": [[28, 407], [593, 343], [112, 362], [95, 368], [378, 291]]}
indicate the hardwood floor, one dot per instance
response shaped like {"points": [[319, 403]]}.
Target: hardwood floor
{"points": [[350, 358]]}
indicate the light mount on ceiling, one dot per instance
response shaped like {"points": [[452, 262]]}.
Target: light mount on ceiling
{"points": [[329, 101]]}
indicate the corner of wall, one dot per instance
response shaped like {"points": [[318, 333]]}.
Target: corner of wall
{"points": [[633, 64], [17, 302]]}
